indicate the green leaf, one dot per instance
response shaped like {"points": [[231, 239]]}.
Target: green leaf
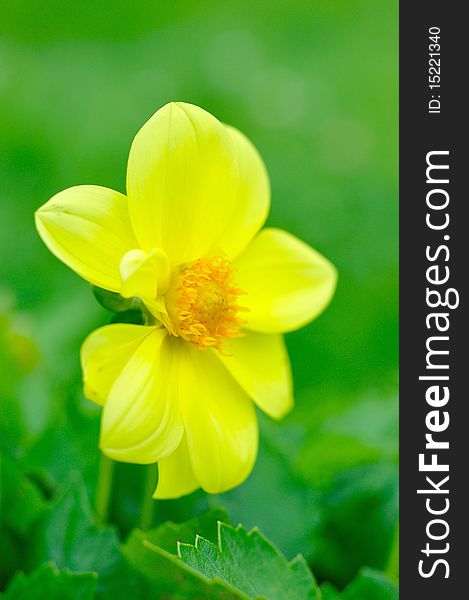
{"points": [[249, 566], [368, 585], [343, 438], [68, 535], [134, 316], [163, 573], [371, 585], [128, 310], [113, 301], [11, 554], [21, 505], [329, 592], [49, 582], [67, 446], [153, 568], [248, 562], [359, 517], [21, 502]]}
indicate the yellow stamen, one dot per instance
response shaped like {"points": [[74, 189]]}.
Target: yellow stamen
{"points": [[202, 303]]}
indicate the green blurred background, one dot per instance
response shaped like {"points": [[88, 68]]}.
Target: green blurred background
{"points": [[314, 85]]}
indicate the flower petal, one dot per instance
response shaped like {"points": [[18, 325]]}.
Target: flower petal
{"points": [[175, 475], [144, 274], [104, 354], [88, 228], [287, 283], [141, 420], [219, 420], [259, 362], [253, 198], [189, 179]]}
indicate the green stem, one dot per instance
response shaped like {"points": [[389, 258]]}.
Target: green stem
{"points": [[148, 504], [392, 568], [104, 488]]}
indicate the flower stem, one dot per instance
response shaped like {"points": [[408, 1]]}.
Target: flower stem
{"points": [[392, 568], [148, 504], [104, 488]]}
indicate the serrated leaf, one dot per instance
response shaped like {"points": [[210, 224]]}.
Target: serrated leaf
{"points": [[167, 576], [368, 585], [68, 535], [49, 582], [250, 563], [154, 568]]}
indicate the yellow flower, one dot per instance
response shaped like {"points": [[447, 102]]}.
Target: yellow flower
{"points": [[186, 240]]}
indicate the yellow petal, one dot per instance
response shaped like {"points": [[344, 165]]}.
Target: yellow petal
{"points": [[260, 364], [175, 475], [219, 420], [141, 420], [104, 354], [287, 283], [189, 179], [88, 228], [253, 198], [144, 274]]}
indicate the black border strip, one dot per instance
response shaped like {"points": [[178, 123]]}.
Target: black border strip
{"points": [[422, 247]]}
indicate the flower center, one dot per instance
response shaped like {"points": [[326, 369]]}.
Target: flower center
{"points": [[202, 303]]}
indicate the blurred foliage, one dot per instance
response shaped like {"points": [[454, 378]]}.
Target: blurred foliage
{"points": [[314, 85], [53, 584]]}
